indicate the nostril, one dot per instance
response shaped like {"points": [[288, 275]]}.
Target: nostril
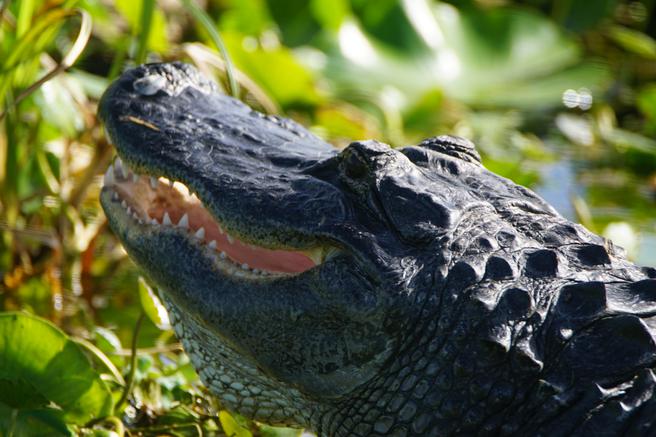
{"points": [[149, 85]]}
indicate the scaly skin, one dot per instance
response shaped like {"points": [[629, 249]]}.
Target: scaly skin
{"points": [[457, 303]]}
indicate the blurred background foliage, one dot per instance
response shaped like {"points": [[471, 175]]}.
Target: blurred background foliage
{"points": [[558, 95]]}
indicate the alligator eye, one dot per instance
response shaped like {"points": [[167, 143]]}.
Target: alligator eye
{"points": [[354, 166]]}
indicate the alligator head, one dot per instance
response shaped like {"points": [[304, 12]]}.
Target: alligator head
{"points": [[367, 290]]}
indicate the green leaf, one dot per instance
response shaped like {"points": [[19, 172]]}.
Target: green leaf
{"points": [[634, 41], [577, 15], [140, 13], [41, 422], [646, 102], [250, 17], [275, 69], [231, 427], [56, 102], [152, 306], [42, 369], [273, 431], [330, 13], [499, 57]]}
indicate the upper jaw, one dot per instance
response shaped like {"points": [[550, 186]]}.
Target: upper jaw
{"points": [[155, 204], [241, 163]]}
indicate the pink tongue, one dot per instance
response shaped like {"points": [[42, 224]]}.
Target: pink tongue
{"points": [[265, 259], [281, 261]]}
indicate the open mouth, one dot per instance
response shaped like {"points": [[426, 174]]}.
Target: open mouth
{"points": [[162, 203]]}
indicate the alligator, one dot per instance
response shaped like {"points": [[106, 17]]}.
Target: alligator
{"points": [[371, 290]]}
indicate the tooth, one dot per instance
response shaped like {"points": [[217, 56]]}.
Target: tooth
{"points": [[129, 210], [230, 239], [164, 180], [154, 222], [200, 233], [153, 182], [184, 189], [223, 255], [194, 197], [184, 221], [256, 271], [135, 178], [122, 168], [108, 178], [244, 266], [220, 230], [171, 182], [212, 244], [117, 166], [167, 220], [114, 195], [124, 204], [179, 187]]}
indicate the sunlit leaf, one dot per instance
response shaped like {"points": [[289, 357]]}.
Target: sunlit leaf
{"points": [[250, 17], [634, 41], [41, 368], [496, 57], [330, 13], [153, 306], [131, 11], [646, 102], [274, 68], [231, 426], [272, 431]]}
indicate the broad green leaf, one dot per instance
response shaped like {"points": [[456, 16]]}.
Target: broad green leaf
{"points": [[32, 422], [500, 57], [578, 15], [274, 68], [42, 369], [250, 17], [330, 13]]}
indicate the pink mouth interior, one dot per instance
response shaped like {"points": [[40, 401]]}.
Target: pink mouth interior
{"points": [[152, 203]]}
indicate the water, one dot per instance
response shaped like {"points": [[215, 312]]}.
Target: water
{"points": [[561, 183]]}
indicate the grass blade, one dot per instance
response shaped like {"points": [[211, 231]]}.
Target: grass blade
{"points": [[145, 25], [202, 17], [68, 60]]}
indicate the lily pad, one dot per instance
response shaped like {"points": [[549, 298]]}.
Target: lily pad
{"points": [[45, 378], [498, 57]]}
